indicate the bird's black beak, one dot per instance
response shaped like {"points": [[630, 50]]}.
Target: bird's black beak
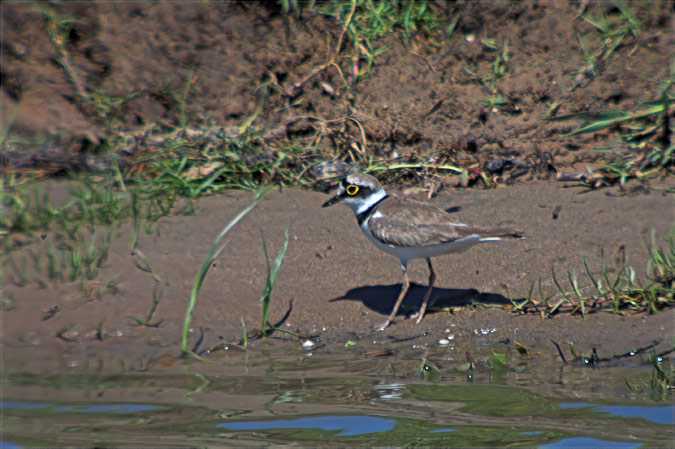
{"points": [[335, 199]]}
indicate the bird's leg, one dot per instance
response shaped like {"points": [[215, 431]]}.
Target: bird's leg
{"points": [[432, 277], [404, 290]]}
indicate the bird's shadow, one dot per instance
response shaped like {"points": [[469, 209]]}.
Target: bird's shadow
{"points": [[381, 298]]}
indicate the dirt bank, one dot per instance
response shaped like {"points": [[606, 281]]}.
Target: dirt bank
{"points": [[426, 96]]}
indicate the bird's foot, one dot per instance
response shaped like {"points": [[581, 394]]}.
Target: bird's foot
{"points": [[417, 317], [383, 326]]}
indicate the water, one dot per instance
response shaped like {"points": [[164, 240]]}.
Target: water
{"points": [[345, 400]]}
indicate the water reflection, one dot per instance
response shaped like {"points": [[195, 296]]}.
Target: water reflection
{"points": [[346, 425], [659, 414], [331, 401], [585, 443], [96, 408], [9, 445], [446, 429], [389, 390]]}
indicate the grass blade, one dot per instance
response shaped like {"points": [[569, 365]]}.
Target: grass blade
{"points": [[591, 277], [589, 116], [560, 289], [575, 287], [201, 274], [272, 271], [244, 334]]}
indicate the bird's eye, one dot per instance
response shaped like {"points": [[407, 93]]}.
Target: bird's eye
{"points": [[352, 190]]}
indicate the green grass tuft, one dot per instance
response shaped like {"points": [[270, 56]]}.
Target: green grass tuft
{"points": [[63, 258], [366, 22], [614, 33], [646, 147], [497, 71], [616, 291]]}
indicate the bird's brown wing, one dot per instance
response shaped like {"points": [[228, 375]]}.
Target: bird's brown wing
{"points": [[411, 223]]}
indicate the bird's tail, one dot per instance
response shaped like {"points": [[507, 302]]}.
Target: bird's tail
{"points": [[500, 234]]}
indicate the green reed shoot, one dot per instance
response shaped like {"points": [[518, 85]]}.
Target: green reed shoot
{"points": [[213, 253], [156, 298], [272, 271]]}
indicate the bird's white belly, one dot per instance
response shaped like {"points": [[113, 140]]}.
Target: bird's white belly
{"points": [[406, 253]]}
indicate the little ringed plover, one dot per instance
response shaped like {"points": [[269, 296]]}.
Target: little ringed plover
{"points": [[408, 229]]}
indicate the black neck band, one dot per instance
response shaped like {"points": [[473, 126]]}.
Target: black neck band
{"points": [[366, 213]]}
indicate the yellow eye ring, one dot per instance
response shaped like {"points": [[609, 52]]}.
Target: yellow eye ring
{"points": [[352, 190]]}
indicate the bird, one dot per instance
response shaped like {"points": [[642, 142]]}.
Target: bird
{"points": [[408, 229]]}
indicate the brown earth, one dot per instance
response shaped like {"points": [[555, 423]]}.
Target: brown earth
{"points": [[417, 102], [340, 286]]}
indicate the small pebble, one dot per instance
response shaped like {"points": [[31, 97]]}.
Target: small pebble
{"points": [[307, 344], [443, 342]]}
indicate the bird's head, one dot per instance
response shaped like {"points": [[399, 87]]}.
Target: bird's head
{"points": [[358, 191]]}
